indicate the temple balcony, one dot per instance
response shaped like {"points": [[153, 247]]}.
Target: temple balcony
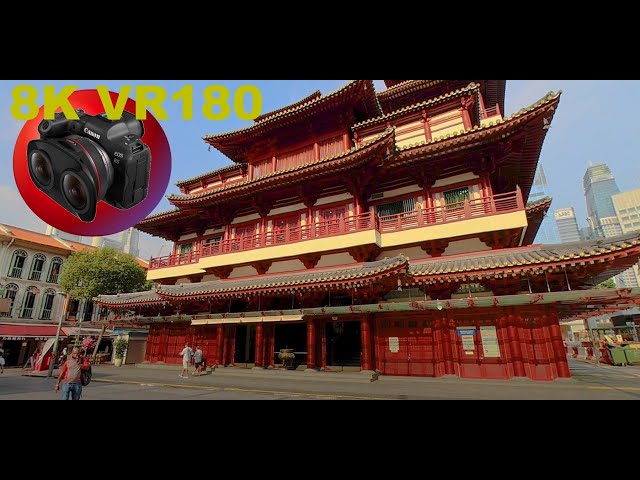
{"points": [[462, 219], [491, 114]]}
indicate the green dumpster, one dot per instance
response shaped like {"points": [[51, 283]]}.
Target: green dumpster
{"points": [[617, 356], [633, 355]]}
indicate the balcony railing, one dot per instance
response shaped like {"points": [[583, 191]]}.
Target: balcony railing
{"points": [[16, 272], [27, 313], [52, 278], [490, 112], [466, 210], [46, 314], [35, 276]]}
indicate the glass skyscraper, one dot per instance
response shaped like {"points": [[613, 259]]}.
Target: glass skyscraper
{"points": [[548, 232], [599, 186]]}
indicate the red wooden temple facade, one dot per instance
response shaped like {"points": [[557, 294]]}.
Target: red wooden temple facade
{"points": [[378, 231]]}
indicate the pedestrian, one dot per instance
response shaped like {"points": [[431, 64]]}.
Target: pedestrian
{"points": [[1, 359], [198, 361], [70, 376], [186, 360], [31, 361]]}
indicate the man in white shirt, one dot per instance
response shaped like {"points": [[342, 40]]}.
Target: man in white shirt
{"points": [[186, 360]]}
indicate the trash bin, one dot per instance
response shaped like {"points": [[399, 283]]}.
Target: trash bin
{"points": [[618, 356], [632, 355]]}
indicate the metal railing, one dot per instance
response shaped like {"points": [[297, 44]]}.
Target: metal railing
{"points": [[16, 272], [35, 275]]}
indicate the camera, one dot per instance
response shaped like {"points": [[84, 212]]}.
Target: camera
{"points": [[81, 162]]}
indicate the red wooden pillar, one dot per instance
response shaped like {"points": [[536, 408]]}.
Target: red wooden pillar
{"points": [[259, 354], [438, 347], [272, 345], [516, 347], [558, 346], [219, 344], [311, 344], [449, 341], [323, 337], [365, 334], [347, 142]]}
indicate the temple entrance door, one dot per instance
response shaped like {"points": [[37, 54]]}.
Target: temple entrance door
{"points": [[344, 345], [245, 344], [291, 335]]}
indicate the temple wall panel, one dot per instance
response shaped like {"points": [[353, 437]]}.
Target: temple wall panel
{"points": [[414, 253], [465, 177], [447, 123], [245, 219], [286, 266], [397, 192], [298, 207], [333, 199], [468, 245], [245, 271], [410, 133], [474, 343], [335, 259], [165, 342]]}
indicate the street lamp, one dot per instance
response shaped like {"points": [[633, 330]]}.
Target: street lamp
{"points": [[54, 355]]}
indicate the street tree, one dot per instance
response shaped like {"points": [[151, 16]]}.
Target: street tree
{"points": [[87, 274]]}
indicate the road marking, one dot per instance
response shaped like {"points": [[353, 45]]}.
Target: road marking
{"points": [[629, 389]]}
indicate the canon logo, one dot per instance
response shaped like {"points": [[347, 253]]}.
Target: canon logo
{"points": [[93, 134]]}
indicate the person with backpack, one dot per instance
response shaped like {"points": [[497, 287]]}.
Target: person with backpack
{"points": [[71, 375]]}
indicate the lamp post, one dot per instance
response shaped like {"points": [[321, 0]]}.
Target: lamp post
{"points": [[54, 355]]}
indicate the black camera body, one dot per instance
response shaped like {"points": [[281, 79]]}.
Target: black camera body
{"points": [[80, 162]]}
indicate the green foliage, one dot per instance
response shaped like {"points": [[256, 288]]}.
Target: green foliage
{"points": [[106, 271], [607, 284], [121, 346]]}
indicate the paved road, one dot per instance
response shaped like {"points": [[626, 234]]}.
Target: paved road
{"points": [[589, 382]]}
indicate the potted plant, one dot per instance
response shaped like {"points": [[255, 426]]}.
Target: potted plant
{"points": [[120, 349]]}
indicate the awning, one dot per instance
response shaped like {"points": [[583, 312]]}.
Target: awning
{"points": [[264, 319], [22, 332]]}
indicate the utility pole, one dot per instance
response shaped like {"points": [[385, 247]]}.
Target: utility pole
{"points": [[54, 354]]}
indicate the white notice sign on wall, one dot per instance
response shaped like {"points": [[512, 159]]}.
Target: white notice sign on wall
{"points": [[394, 344], [490, 346]]}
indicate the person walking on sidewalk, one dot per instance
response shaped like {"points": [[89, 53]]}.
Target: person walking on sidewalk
{"points": [[186, 360], [197, 356], [71, 376]]}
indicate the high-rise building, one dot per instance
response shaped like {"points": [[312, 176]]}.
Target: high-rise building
{"points": [[599, 186], [54, 232], [567, 225], [126, 241], [548, 232], [627, 207]]}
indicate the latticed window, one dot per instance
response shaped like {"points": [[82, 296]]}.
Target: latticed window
{"points": [[396, 208], [10, 291], [54, 270], [455, 198], [28, 302], [17, 264], [186, 248], [47, 306], [37, 266]]}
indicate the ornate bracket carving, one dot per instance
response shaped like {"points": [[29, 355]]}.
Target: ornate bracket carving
{"points": [[262, 267], [365, 253]]}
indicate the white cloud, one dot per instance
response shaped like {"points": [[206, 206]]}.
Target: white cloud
{"points": [[14, 211]]}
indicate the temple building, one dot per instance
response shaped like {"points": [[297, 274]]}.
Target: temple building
{"points": [[387, 232]]}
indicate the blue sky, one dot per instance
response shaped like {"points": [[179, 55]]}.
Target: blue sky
{"points": [[596, 121]]}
